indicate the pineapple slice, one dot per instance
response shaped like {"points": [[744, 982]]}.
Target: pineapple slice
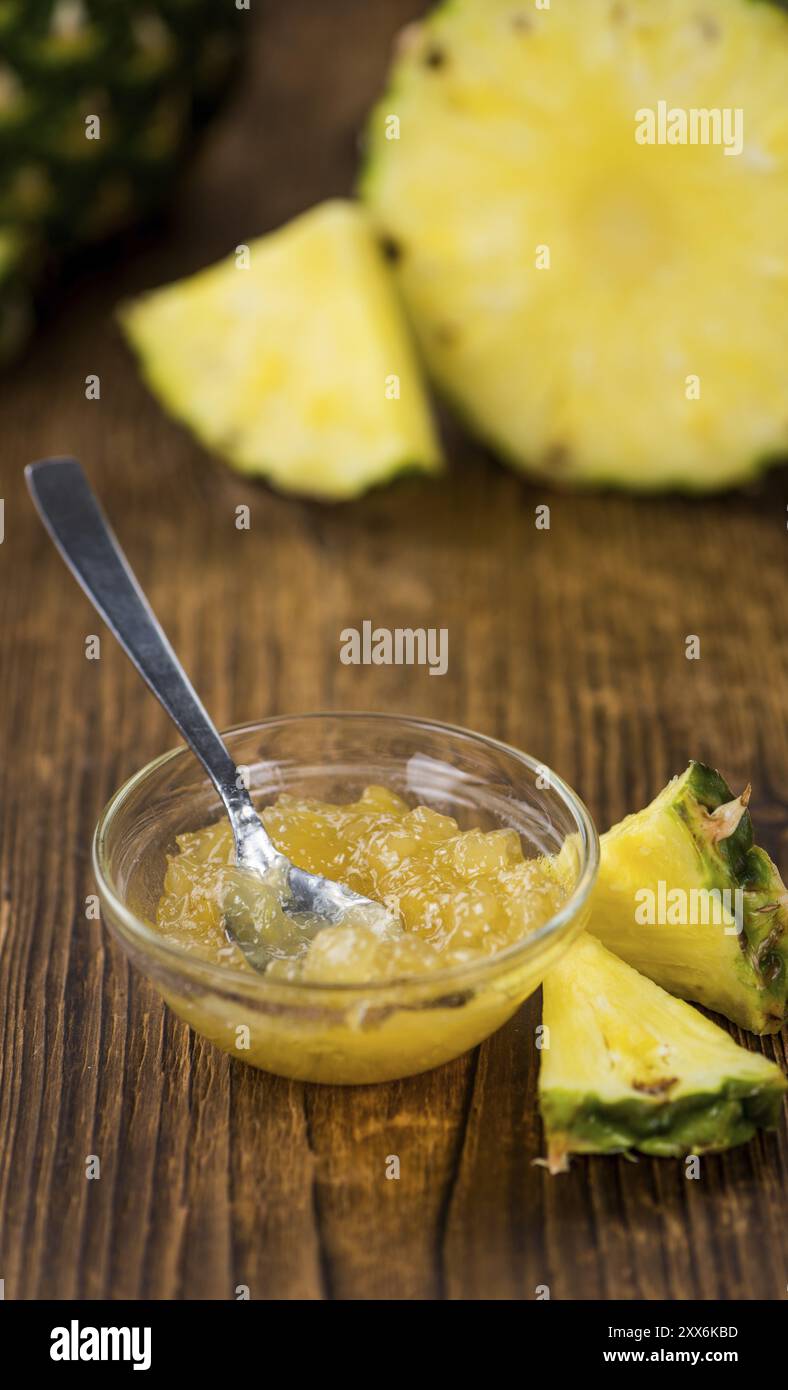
{"points": [[685, 896], [297, 366], [627, 1066], [600, 310]]}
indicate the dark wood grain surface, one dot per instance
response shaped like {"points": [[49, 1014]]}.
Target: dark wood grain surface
{"points": [[570, 643]]}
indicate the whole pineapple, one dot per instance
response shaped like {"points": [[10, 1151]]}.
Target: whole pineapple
{"points": [[97, 103]]}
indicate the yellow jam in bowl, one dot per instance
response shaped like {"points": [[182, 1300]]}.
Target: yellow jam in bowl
{"points": [[460, 897]]}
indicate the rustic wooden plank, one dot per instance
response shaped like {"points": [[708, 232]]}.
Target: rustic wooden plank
{"points": [[568, 642], [355, 1134]]}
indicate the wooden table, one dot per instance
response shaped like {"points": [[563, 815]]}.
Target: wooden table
{"points": [[568, 642]]}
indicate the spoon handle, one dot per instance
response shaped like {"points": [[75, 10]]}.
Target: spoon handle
{"points": [[71, 514]]}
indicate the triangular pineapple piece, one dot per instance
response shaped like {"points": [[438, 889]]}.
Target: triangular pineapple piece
{"points": [[684, 895], [293, 361], [626, 1066]]}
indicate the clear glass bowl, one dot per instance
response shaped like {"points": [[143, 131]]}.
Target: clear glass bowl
{"points": [[329, 1032]]}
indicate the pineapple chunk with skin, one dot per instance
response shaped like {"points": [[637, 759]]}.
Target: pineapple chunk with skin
{"points": [[298, 367], [628, 1066], [517, 141], [695, 837]]}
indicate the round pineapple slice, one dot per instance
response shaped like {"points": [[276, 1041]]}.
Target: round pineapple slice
{"points": [[603, 303]]}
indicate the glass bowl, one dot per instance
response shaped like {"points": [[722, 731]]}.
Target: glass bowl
{"points": [[330, 1032]]}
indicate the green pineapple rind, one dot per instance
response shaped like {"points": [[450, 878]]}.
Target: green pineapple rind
{"points": [[736, 862], [703, 1122]]}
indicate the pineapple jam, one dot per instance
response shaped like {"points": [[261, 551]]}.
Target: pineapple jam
{"points": [[459, 898]]}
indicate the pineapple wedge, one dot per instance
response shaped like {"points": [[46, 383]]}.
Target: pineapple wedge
{"points": [[685, 896], [297, 365], [600, 309], [626, 1066]]}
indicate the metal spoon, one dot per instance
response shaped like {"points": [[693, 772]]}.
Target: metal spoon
{"points": [[71, 513]]}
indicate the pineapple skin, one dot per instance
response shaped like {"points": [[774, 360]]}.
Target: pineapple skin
{"points": [[152, 73], [708, 1122], [478, 365], [16, 309], [628, 1066], [675, 840]]}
